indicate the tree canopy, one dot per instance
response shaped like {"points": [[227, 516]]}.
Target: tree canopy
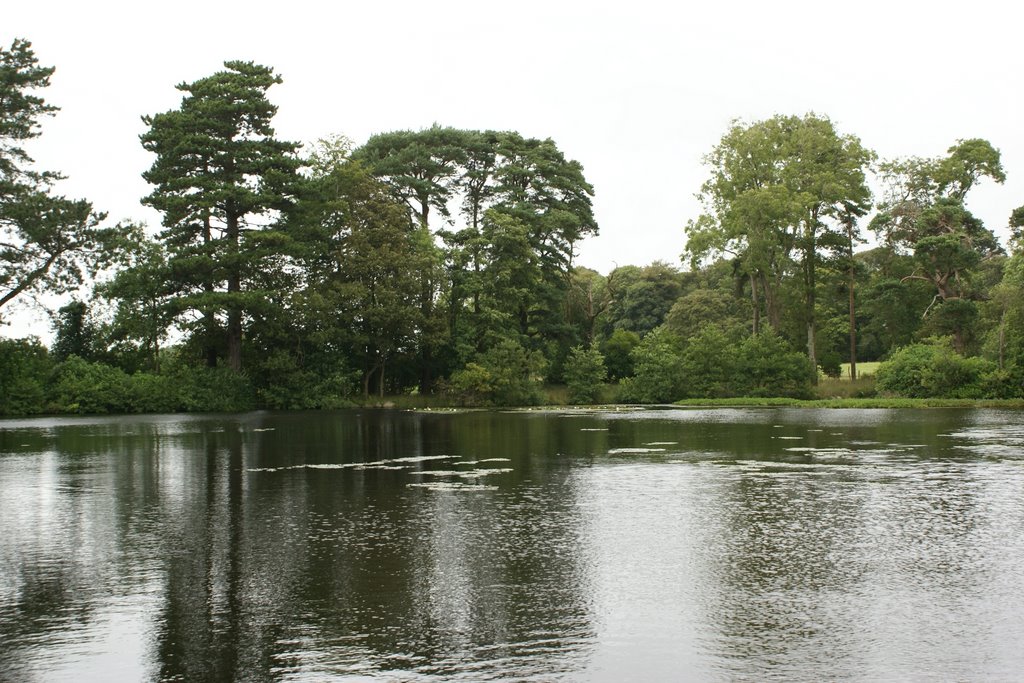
{"points": [[48, 243]]}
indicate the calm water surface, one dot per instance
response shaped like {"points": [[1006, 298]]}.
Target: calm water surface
{"points": [[770, 544]]}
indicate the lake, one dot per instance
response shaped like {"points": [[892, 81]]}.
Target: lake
{"points": [[647, 545]]}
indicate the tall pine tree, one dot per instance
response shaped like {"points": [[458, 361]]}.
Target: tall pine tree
{"points": [[221, 180]]}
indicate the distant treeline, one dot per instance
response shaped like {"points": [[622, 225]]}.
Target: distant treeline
{"points": [[440, 262]]}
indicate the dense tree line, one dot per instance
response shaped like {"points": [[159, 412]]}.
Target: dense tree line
{"points": [[440, 261]]}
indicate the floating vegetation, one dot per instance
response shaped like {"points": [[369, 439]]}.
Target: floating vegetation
{"points": [[384, 467], [406, 463], [470, 474], [422, 458], [620, 451], [830, 451], [451, 486], [375, 464]]}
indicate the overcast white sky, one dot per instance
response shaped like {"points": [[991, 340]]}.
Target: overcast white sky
{"points": [[636, 91]]}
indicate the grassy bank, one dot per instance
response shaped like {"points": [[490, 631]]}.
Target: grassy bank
{"points": [[855, 403], [556, 396]]}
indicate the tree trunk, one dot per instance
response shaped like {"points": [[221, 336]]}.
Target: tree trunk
{"points": [[853, 332], [853, 309], [810, 253], [209, 320], [234, 287], [755, 304], [1002, 337], [772, 304]]}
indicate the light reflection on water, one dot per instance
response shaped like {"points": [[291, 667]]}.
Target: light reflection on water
{"points": [[772, 544]]}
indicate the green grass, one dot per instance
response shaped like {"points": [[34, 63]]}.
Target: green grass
{"points": [[863, 370], [832, 387]]}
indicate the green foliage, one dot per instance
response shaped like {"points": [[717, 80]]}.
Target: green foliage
{"points": [[658, 370], [923, 213], [505, 375], [220, 389], [79, 386], [524, 207], [1017, 228], [695, 310], [285, 382], [833, 345], [1007, 383], [641, 297], [75, 333], [952, 317], [473, 385], [783, 196], [370, 275], [903, 374], [618, 353], [33, 383], [25, 368], [141, 296], [48, 243], [709, 364], [954, 376], [767, 366], [585, 374], [151, 393], [936, 370]]}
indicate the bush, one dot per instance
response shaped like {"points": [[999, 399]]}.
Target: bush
{"points": [[79, 386], [617, 351], [935, 370], [151, 393], [472, 384], [658, 369], [585, 374], [903, 374], [505, 375], [25, 367], [212, 390], [283, 384], [709, 364], [1006, 383], [953, 376], [766, 366]]}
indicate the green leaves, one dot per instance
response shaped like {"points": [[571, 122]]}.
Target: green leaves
{"points": [[47, 243], [924, 213], [20, 108]]}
